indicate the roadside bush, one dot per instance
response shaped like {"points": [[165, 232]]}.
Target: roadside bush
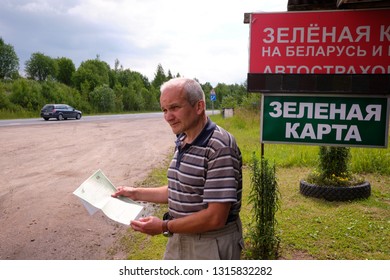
{"points": [[102, 99], [27, 94], [4, 100], [229, 102], [251, 102], [264, 199]]}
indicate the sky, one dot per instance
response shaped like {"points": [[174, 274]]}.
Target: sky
{"points": [[203, 39]]}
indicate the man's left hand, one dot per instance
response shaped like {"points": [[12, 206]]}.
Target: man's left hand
{"points": [[149, 225]]}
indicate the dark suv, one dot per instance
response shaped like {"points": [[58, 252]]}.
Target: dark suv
{"points": [[60, 112]]}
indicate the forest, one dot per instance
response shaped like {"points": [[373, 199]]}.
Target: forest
{"points": [[94, 87]]}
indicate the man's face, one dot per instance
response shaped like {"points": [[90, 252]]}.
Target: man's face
{"points": [[178, 112]]}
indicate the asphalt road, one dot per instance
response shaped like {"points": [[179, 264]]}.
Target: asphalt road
{"points": [[98, 118]]}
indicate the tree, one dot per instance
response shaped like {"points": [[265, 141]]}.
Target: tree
{"points": [[9, 61], [128, 98], [124, 77], [40, 67], [150, 99], [93, 73], [207, 87], [103, 99], [169, 76], [159, 77], [66, 69], [4, 100]]}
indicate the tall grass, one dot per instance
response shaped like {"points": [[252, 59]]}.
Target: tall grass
{"points": [[17, 114]]}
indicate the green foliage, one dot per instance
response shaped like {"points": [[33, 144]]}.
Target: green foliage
{"points": [[229, 102], [27, 94], [60, 82], [263, 243], [91, 74], [334, 160], [40, 67], [251, 102], [54, 92], [207, 87], [159, 77], [229, 96], [66, 69], [150, 99], [9, 61], [128, 97], [333, 168], [102, 99], [5, 103]]}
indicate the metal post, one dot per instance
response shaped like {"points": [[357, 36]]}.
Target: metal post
{"points": [[262, 150]]}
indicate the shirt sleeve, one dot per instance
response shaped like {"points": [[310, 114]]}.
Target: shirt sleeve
{"points": [[222, 176]]}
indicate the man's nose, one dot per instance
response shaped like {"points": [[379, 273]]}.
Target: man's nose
{"points": [[168, 116]]}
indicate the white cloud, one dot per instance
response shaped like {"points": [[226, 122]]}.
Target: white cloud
{"points": [[206, 39]]}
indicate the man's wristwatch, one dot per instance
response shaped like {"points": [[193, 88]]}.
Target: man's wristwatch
{"points": [[165, 229]]}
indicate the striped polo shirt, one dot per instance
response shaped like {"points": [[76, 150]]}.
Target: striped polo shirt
{"points": [[207, 170]]}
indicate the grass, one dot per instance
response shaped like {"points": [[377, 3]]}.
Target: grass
{"points": [[320, 229], [308, 228], [8, 115]]}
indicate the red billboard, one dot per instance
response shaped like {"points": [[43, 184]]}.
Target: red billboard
{"points": [[320, 42]]}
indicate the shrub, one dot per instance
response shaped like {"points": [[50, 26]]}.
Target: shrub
{"points": [[102, 99], [333, 168], [264, 197]]}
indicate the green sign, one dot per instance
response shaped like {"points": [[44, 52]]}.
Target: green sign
{"points": [[325, 120]]}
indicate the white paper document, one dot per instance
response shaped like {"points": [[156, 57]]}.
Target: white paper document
{"points": [[95, 193]]}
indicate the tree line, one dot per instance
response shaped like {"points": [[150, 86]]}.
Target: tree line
{"points": [[93, 87]]}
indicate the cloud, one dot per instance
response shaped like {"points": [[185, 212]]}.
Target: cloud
{"points": [[200, 39]]}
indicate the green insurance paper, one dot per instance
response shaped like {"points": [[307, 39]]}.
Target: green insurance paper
{"points": [[95, 193]]}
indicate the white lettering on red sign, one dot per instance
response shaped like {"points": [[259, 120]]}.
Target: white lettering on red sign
{"points": [[315, 34], [326, 42], [327, 69]]}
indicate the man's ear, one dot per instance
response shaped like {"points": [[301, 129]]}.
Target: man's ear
{"points": [[200, 106]]}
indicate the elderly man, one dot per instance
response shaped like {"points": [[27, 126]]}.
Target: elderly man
{"points": [[204, 182]]}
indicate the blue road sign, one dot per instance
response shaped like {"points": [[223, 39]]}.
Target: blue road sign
{"points": [[213, 96]]}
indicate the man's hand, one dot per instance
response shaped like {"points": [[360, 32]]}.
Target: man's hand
{"points": [[149, 225], [129, 192]]}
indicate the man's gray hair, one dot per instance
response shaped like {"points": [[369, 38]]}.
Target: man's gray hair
{"points": [[191, 88]]}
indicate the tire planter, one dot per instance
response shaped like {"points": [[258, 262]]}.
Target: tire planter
{"points": [[336, 193]]}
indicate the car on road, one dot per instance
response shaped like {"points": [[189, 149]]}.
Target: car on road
{"points": [[60, 112]]}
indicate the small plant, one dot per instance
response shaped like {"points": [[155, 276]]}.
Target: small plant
{"points": [[333, 169], [264, 197]]}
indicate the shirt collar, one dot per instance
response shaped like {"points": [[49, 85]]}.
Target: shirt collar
{"points": [[204, 136]]}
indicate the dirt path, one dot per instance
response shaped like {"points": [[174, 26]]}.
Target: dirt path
{"points": [[40, 167]]}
